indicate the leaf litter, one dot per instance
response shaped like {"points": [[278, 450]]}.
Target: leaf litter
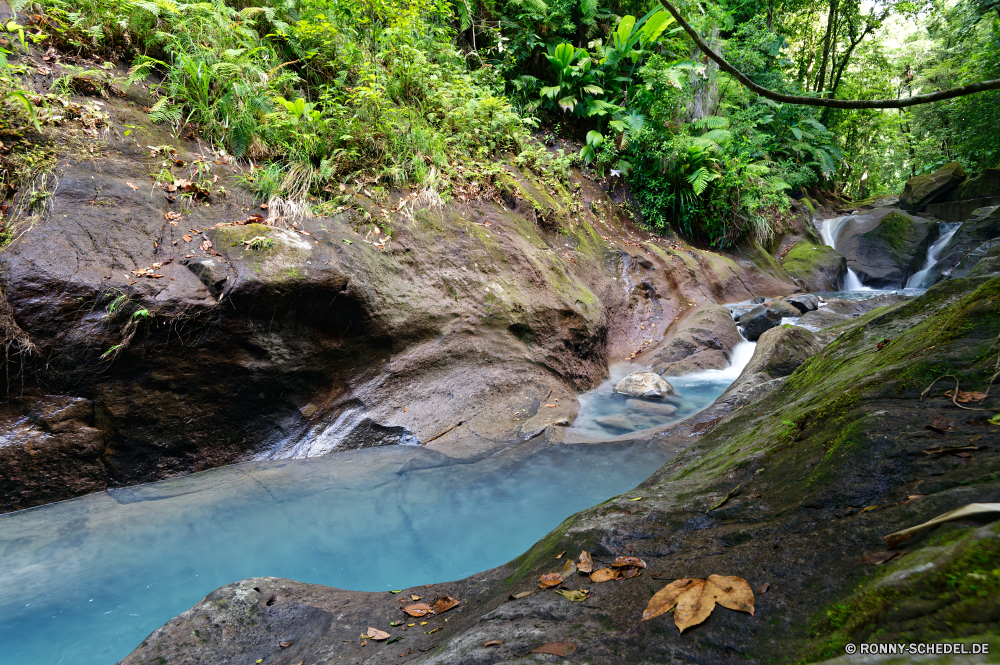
{"points": [[694, 599], [968, 510]]}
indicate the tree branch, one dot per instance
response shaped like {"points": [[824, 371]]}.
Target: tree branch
{"points": [[819, 101]]}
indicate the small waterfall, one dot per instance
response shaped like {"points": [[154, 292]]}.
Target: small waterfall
{"points": [[925, 278], [829, 232]]}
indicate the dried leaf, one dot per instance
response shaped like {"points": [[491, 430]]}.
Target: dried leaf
{"points": [[623, 561], [694, 599], [550, 580], [444, 603], [187, 237], [285, 645], [585, 564], [556, 648], [764, 587], [568, 569], [576, 595], [418, 609], [413, 597], [966, 397], [876, 558], [939, 450], [723, 500], [632, 571], [492, 643], [561, 554], [521, 594], [604, 575], [942, 424], [133, 186], [376, 634], [969, 510]]}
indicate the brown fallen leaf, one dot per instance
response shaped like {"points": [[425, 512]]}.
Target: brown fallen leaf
{"points": [[966, 397], [764, 587], [585, 564], [942, 424], [418, 609], [968, 510], [170, 214], [284, 645], [577, 595], [940, 450], [207, 245], [561, 554], [604, 575], [556, 648], [187, 237], [551, 406], [444, 603], [131, 185], [413, 597], [376, 634], [568, 569], [550, 580], [521, 594], [622, 561], [492, 643], [876, 558], [632, 571], [694, 599]]}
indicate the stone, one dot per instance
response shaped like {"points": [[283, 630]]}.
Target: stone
{"points": [[757, 320], [806, 302], [986, 184], [622, 423], [924, 189], [821, 318], [212, 271], [882, 246], [704, 340], [651, 408], [982, 225], [815, 267], [779, 352], [759, 300], [644, 384], [786, 309]]}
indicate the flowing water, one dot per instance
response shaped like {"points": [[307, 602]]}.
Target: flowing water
{"points": [[927, 276], [604, 413], [829, 232], [84, 581]]}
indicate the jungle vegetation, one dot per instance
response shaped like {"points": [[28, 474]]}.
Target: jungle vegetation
{"points": [[433, 93]]}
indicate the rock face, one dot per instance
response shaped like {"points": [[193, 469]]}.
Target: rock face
{"points": [[981, 226], [644, 384], [703, 341], [804, 303], [835, 436], [984, 185], [815, 267], [931, 188], [786, 309], [757, 320], [884, 247], [779, 352], [989, 263]]}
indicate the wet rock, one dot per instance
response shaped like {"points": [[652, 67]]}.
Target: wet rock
{"points": [[821, 318], [622, 423], [989, 263], [786, 309], [804, 303], [703, 341], [757, 320], [931, 188], [815, 267], [883, 247], [779, 352], [982, 225], [984, 185], [759, 300], [644, 384], [652, 408], [211, 271]]}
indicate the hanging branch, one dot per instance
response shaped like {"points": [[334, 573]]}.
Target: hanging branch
{"points": [[819, 101]]}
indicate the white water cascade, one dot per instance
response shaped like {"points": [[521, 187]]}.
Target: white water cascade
{"points": [[924, 278], [829, 232]]}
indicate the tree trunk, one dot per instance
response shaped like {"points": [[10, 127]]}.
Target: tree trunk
{"points": [[827, 40]]}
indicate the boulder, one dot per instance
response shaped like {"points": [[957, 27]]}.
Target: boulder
{"points": [[984, 185], [815, 267], [623, 423], [703, 341], [989, 264], [806, 302], [821, 318], [652, 408], [924, 189], [882, 246], [779, 352], [757, 320], [644, 384], [983, 225], [786, 309]]}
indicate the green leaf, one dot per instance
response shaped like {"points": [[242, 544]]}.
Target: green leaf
{"points": [[347, 241], [624, 30], [594, 138], [655, 26]]}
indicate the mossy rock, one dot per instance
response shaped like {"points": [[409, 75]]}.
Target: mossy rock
{"points": [[922, 190], [984, 185], [815, 267], [896, 230]]}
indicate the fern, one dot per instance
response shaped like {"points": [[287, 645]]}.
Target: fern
{"points": [[711, 122]]}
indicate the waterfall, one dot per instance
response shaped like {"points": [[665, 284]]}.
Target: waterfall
{"points": [[829, 232], [926, 276]]}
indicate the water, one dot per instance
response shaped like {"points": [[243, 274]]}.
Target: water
{"points": [[867, 294], [621, 414], [926, 277], [829, 232], [83, 582]]}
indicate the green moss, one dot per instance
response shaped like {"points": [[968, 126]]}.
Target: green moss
{"points": [[895, 228], [235, 236]]}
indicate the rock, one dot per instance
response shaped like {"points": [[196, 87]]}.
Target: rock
{"points": [[759, 300], [815, 267], [882, 202], [704, 340], [821, 318], [779, 352], [547, 417], [757, 320], [986, 184], [979, 262], [786, 309], [651, 408], [211, 271], [931, 188], [622, 423], [982, 225], [644, 384], [883, 247], [804, 303]]}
